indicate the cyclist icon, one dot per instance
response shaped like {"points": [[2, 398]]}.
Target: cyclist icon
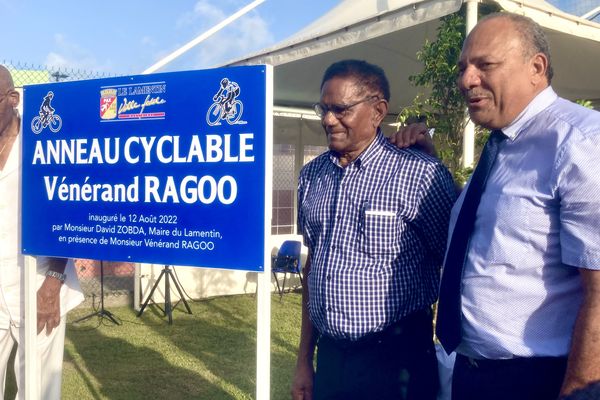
{"points": [[226, 106], [46, 108], [46, 117]]}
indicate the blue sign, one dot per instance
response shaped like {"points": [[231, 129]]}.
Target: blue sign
{"points": [[164, 168]]}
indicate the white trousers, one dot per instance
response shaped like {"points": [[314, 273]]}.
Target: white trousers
{"points": [[50, 349]]}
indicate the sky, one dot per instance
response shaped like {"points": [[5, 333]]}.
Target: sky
{"points": [[576, 7], [124, 37]]}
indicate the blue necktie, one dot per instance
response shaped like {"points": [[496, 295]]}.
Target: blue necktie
{"points": [[448, 325]]}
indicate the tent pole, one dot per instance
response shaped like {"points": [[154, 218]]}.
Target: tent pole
{"points": [[469, 131], [161, 63], [471, 15], [591, 14]]}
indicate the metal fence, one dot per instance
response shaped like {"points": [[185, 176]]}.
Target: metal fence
{"points": [[26, 74], [118, 278], [284, 185]]}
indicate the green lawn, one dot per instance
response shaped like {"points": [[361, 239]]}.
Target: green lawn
{"points": [[210, 354]]}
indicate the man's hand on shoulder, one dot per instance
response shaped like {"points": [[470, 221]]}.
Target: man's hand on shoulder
{"points": [[416, 135]]}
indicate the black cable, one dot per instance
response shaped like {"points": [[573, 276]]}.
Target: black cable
{"points": [[180, 285]]}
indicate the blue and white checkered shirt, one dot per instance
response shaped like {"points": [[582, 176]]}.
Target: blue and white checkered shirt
{"points": [[376, 231]]}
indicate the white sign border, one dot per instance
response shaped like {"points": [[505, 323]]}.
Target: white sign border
{"points": [[263, 306]]}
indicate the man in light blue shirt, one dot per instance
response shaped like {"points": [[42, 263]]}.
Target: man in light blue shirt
{"points": [[529, 288]]}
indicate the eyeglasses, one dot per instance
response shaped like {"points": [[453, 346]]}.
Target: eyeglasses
{"points": [[338, 110]]}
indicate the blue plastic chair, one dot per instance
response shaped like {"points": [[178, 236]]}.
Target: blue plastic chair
{"points": [[287, 261]]}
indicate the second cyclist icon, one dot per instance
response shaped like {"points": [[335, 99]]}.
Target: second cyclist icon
{"points": [[226, 106]]}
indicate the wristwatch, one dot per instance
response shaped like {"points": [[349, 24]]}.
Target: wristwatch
{"points": [[57, 275]]}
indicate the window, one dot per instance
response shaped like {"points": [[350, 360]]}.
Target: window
{"points": [[285, 183], [284, 189]]}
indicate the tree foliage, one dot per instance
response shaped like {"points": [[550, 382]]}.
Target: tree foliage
{"points": [[441, 103], [585, 103], [443, 107]]}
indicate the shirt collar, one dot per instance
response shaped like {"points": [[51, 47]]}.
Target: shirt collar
{"points": [[367, 155], [538, 104]]}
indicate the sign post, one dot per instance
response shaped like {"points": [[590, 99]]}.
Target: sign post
{"points": [[32, 389], [171, 168], [263, 306]]}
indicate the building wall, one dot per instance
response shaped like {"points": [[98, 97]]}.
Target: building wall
{"points": [[199, 283]]}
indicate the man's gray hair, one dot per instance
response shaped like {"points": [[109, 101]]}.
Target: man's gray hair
{"points": [[532, 36]]}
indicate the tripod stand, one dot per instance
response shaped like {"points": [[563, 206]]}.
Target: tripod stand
{"points": [[168, 311], [102, 313]]}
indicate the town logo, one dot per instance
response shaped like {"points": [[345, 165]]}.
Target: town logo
{"points": [[108, 103], [46, 116], [133, 102], [226, 106]]}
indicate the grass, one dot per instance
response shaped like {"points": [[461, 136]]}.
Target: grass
{"points": [[210, 354]]}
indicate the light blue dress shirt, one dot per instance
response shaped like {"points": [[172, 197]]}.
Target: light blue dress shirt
{"points": [[537, 223]]}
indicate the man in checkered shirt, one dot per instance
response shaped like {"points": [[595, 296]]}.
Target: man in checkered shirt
{"points": [[374, 218]]}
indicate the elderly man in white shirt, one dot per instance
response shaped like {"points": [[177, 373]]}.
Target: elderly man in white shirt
{"points": [[58, 287]]}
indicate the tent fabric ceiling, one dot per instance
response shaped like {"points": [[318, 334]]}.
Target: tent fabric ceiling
{"points": [[390, 33], [574, 46]]}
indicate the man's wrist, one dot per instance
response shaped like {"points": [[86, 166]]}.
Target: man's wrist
{"points": [[52, 263], [57, 275]]}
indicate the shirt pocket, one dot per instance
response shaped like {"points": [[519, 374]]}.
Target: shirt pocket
{"points": [[380, 232], [503, 234]]}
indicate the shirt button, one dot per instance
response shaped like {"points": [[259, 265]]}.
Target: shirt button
{"points": [[328, 277], [333, 247], [329, 308]]}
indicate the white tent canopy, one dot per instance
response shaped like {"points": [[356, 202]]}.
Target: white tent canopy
{"points": [[390, 32]]}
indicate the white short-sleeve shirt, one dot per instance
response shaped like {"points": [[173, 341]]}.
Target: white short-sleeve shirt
{"points": [[11, 259]]}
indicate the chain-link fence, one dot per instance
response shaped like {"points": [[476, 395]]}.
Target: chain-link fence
{"points": [[117, 277], [25, 74], [284, 185]]}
